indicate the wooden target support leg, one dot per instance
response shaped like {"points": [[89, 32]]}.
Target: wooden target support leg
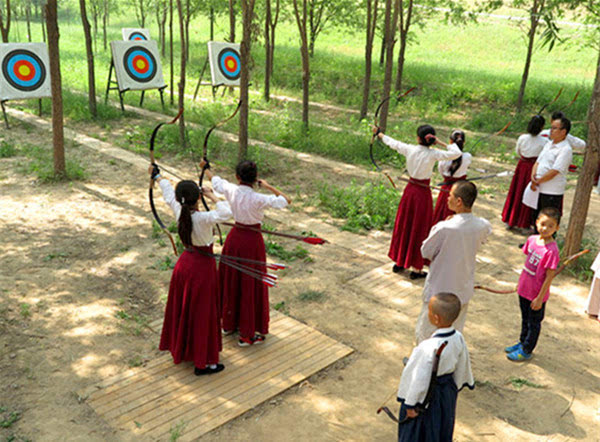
{"points": [[4, 114], [200, 78], [110, 69], [142, 99], [110, 87], [162, 97], [121, 93], [40, 107]]}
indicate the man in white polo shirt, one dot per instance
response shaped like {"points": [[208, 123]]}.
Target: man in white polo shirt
{"points": [[549, 172]]}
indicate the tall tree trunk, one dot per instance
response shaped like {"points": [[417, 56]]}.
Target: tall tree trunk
{"points": [[56, 87], [581, 200], [90, 59], [371, 26], [5, 24], [247, 15], [232, 20], [171, 50], [391, 22], [182, 139], [104, 24], [382, 50], [301, 18], [212, 23], [405, 22], [534, 20], [28, 18], [272, 26], [43, 24], [267, 50]]}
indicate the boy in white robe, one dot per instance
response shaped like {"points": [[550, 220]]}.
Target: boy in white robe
{"points": [[434, 421]]}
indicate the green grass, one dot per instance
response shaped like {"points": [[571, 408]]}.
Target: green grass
{"points": [[580, 268], [312, 296], [8, 418], [518, 383], [279, 251], [7, 149]]}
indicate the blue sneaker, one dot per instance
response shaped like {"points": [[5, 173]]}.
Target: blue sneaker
{"points": [[519, 355], [512, 348]]}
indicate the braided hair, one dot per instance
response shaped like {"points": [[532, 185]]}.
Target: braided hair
{"points": [[186, 194], [458, 138]]}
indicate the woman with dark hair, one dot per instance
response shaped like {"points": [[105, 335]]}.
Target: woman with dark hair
{"points": [[516, 214], [451, 171], [245, 300], [415, 211], [191, 330]]}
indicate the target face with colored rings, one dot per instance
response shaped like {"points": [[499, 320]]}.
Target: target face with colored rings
{"points": [[229, 63], [139, 64], [23, 70], [137, 36]]}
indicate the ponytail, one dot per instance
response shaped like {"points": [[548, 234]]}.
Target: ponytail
{"points": [[187, 194], [458, 138], [423, 131]]}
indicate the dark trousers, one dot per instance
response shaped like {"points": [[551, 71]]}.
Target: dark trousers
{"points": [[531, 324], [547, 201]]}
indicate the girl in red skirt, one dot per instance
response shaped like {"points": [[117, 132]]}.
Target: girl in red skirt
{"points": [[516, 214], [245, 299], [451, 171], [191, 329], [413, 220]]}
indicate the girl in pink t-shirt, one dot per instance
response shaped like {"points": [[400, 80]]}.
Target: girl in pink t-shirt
{"points": [[534, 284]]}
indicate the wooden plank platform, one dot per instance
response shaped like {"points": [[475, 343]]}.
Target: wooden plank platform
{"points": [[383, 284], [149, 401]]}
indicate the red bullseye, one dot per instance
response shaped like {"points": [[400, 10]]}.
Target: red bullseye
{"points": [[24, 70], [140, 64], [230, 64]]}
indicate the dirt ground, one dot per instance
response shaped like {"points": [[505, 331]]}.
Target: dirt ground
{"points": [[80, 279]]}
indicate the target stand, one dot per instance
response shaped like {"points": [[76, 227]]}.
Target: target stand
{"points": [[225, 66], [24, 74], [137, 67]]}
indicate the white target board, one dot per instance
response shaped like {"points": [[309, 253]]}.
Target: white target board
{"points": [[225, 63], [135, 34], [137, 65], [24, 71]]}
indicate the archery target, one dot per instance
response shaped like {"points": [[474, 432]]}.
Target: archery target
{"points": [[24, 71], [135, 34], [225, 63], [137, 65]]}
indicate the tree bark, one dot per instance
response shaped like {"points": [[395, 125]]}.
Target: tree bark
{"points": [[90, 60], [5, 25], [104, 25], [182, 139], [534, 20], [44, 24], [171, 51], [371, 26], [405, 22], [581, 200], [232, 20], [56, 87], [212, 23], [247, 15], [28, 18], [391, 22], [267, 50], [301, 18], [382, 50]]}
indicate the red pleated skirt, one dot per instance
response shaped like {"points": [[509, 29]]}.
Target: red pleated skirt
{"points": [[441, 211], [515, 213], [413, 222], [191, 327], [245, 299]]}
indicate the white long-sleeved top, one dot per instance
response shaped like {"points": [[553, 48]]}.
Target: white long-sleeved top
{"points": [[454, 359], [530, 146], [554, 157], [452, 246], [202, 222], [421, 159], [444, 166], [247, 206], [575, 142]]}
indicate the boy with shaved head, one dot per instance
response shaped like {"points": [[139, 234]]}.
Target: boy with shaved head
{"points": [[451, 247], [428, 407]]}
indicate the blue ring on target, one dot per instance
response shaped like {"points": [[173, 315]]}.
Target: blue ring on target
{"points": [[128, 62], [222, 57], [23, 56], [137, 36]]}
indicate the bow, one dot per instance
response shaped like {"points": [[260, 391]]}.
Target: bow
{"points": [[420, 408], [485, 137], [207, 166], [567, 261], [485, 177], [314, 240], [553, 101], [151, 187], [376, 124]]}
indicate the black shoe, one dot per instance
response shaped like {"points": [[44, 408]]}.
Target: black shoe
{"points": [[521, 245], [405, 360], [397, 269], [208, 370], [417, 275]]}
